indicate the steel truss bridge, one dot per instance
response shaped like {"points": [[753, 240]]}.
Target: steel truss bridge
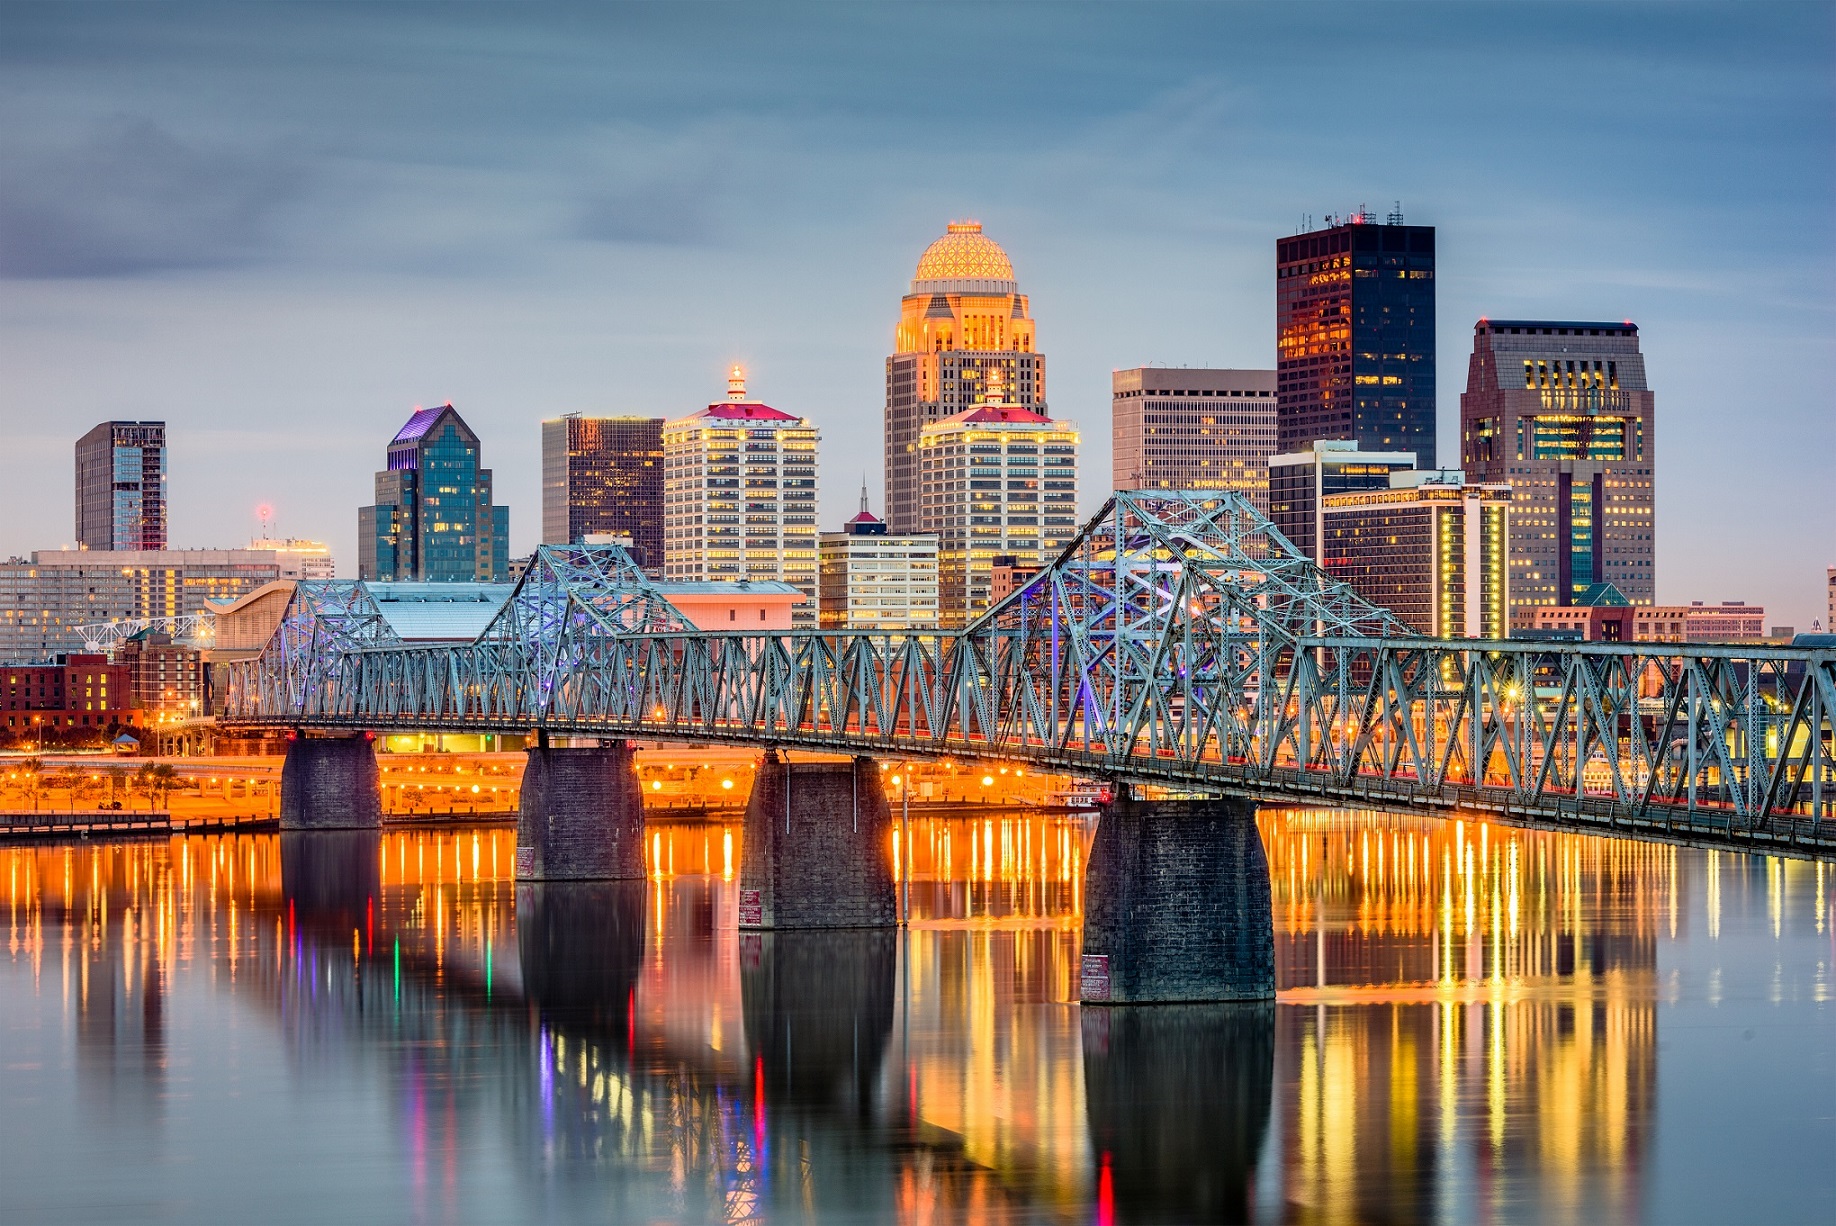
{"points": [[1180, 642]]}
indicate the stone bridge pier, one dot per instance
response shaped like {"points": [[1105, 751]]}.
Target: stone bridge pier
{"points": [[1176, 904], [581, 814], [331, 783], [817, 851]]}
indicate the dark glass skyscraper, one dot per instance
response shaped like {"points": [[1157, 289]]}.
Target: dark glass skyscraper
{"points": [[1354, 327], [121, 486], [604, 475], [433, 520]]}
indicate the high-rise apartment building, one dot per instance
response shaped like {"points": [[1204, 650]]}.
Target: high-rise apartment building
{"points": [[1300, 483], [964, 322], [1561, 412], [996, 480], [873, 580], [603, 476], [739, 496], [1431, 549], [433, 520], [313, 559], [121, 486], [1180, 428], [1354, 331]]}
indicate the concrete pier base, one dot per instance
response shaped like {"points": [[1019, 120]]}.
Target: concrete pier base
{"points": [[1176, 905], [331, 783], [581, 815], [817, 849]]}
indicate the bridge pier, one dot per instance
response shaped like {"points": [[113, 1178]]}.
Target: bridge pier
{"points": [[816, 851], [581, 815], [1176, 904], [331, 783]]}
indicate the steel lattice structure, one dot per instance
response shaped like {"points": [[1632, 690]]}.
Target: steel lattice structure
{"points": [[1180, 642]]}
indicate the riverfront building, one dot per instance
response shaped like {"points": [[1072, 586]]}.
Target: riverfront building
{"points": [[1562, 413], [434, 520], [77, 693], [603, 476], [1354, 328], [873, 580], [1300, 483], [739, 494], [1180, 428], [1431, 549], [996, 480], [121, 486], [963, 323]]}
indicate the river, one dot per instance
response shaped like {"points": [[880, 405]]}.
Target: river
{"points": [[1474, 1024]]}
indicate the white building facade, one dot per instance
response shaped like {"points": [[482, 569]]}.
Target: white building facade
{"points": [[739, 496]]}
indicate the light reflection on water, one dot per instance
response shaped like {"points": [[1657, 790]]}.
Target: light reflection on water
{"points": [[1474, 1022]]}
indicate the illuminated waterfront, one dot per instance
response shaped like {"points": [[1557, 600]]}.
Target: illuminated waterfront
{"points": [[1474, 1023]]}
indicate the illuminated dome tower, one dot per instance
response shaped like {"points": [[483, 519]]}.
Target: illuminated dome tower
{"points": [[964, 319]]}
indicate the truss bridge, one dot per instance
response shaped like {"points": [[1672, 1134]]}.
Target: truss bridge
{"points": [[1180, 642]]}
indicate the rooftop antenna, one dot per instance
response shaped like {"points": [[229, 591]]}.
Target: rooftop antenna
{"points": [[863, 493], [1395, 217]]}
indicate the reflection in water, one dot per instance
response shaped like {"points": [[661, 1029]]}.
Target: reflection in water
{"points": [[1178, 1098], [1467, 1027]]}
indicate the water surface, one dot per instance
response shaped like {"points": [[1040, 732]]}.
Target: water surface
{"points": [[1475, 1023]]}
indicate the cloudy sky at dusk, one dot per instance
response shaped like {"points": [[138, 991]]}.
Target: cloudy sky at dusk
{"points": [[280, 228]]}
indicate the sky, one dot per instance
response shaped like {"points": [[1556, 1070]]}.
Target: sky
{"points": [[281, 228]]}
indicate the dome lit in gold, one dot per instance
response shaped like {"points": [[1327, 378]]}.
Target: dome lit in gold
{"points": [[964, 261]]}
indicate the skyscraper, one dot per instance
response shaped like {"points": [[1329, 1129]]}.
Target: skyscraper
{"points": [[433, 520], [995, 480], [121, 486], [739, 496], [1181, 428], [1561, 411], [964, 319], [1354, 328], [604, 475]]}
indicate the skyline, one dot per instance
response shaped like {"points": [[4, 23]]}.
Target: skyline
{"points": [[620, 204]]}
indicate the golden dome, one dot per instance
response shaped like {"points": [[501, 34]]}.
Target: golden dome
{"points": [[964, 260]]}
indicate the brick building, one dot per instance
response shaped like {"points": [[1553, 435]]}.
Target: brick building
{"points": [[76, 693]]}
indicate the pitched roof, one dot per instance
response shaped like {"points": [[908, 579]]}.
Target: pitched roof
{"points": [[419, 423]]}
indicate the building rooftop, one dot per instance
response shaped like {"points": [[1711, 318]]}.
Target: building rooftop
{"points": [[998, 414], [418, 424], [421, 611], [964, 260], [1612, 326]]}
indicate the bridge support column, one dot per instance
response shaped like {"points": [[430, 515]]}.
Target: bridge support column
{"points": [[816, 851], [331, 783], [581, 815], [1176, 904]]}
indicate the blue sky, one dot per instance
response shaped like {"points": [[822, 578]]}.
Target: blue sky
{"points": [[280, 228]]}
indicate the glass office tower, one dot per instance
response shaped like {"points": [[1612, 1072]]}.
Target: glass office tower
{"points": [[604, 476], [433, 520], [1354, 325], [121, 486]]}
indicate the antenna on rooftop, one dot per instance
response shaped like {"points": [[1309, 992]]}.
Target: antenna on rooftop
{"points": [[1395, 217]]}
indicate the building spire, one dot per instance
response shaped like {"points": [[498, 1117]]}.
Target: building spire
{"points": [[994, 392], [863, 493], [736, 383]]}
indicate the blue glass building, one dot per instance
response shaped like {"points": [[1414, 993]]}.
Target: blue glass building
{"points": [[433, 520], [1354, 325]]}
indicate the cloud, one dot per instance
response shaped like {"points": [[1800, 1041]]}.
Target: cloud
{"points": [[135, 199]]}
